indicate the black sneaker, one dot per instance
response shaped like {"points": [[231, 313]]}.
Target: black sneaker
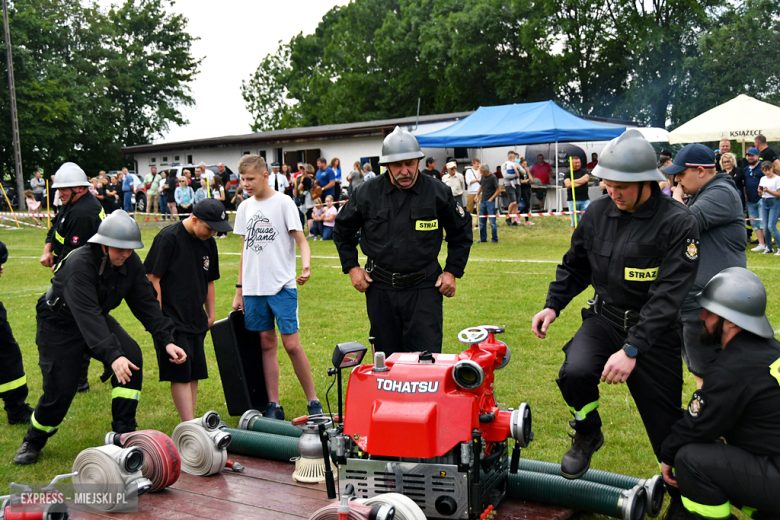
{"points": [[314, 407], [26, 454], [274, 411], [576, 461], [20, 415]]}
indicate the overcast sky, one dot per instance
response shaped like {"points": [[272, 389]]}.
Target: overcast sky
{"points": [[234, 36]]}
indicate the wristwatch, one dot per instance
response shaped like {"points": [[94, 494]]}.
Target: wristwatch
{"points": [[630, 350]]}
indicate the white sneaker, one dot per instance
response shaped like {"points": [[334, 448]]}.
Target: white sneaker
{"points": [[759, 247], [768, 251], [778, 252], [310, 236]]}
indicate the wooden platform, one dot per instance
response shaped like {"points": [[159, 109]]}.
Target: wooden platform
{"points": [[266, 491]]}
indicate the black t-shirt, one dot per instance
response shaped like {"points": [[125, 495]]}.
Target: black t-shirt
{"points": [[307, 183], [580, 191], [489, 186], [768, 155], [433, 173], [185, 265], [110, 201]]}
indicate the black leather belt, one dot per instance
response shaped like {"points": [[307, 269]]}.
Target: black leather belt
{"points": [[397, 280], [621, 318]]}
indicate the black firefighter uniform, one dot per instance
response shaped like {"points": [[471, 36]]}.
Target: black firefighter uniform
{"points": [[73, 318]]}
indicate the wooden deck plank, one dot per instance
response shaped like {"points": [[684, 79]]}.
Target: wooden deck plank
{"points": [[266, 491]]}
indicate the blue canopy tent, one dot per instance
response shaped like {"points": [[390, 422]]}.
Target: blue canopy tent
{"points": [[519, 124], [525, 123]]}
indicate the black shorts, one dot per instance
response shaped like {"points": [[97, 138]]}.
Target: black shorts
{"points": [[194, 369]]}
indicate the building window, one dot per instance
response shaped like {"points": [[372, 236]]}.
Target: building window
{"points": [[176, 158], [246, 152], [152, 160], [189, 159], [461, 153], [262, 154]]}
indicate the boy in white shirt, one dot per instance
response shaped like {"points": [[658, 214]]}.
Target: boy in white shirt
{"points": [[512, 186], [270, 226]]}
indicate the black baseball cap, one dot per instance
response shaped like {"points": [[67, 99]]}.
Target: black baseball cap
{"points": [[691, 156], [429, 160], [212, 212]]}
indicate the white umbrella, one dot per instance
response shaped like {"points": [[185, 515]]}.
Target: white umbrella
{"points": [[740, 119]]}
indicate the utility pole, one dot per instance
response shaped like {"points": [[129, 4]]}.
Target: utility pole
{"points": [[14, 115]]}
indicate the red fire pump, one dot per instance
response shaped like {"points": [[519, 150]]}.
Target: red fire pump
{"points": [[428, 426]]}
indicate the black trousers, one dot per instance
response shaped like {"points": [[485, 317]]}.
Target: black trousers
{"points": [[405, 320], [712, 477], [61, 354], [525, 194], [13, 381], [655, 383]]}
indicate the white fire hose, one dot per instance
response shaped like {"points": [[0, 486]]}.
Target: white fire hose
{"points": [[108, 471], [202, 445], [402, 507]]}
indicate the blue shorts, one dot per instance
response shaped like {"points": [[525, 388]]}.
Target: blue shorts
{"points": [[260, 311]]}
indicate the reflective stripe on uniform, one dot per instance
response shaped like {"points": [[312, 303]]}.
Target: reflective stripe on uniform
{"points": [[39, 426], [721, 511], [102, 214], [5, 387], [774, 370], [121, 392], [59, 238], [59, 264], [582, 414]]}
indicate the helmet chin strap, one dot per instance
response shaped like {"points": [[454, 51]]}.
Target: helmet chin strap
{"points": [[105, 259], [639, 194]]}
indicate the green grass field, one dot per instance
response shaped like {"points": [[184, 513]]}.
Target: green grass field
{"points": [[505, 284]]}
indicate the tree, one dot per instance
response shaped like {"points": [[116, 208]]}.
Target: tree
{"points": [[727, 63], [89, 81]]}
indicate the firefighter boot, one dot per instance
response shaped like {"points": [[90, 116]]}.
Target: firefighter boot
{"points": [[16, 408], [576, 461], [32, 444]]}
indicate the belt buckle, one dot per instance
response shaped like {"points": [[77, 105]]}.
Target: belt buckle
{"points": [[393, 282], [626, 316]]}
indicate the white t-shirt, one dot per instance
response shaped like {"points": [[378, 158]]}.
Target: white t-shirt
{"points": [[269, 247], [773, 184], [280, 179], [471, 176]]}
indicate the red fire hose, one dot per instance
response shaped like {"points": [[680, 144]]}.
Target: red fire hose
{"points": [[162, 464]]}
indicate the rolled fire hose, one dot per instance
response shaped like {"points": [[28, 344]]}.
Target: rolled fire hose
{"points": [[360, 509], [202, 445], [262, 445], [654, 487], [162, 464], [405, 507], [252, 420], [578, 494], [108, 471]]}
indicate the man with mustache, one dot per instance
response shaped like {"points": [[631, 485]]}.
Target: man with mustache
{"points": [[400, 216]]}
